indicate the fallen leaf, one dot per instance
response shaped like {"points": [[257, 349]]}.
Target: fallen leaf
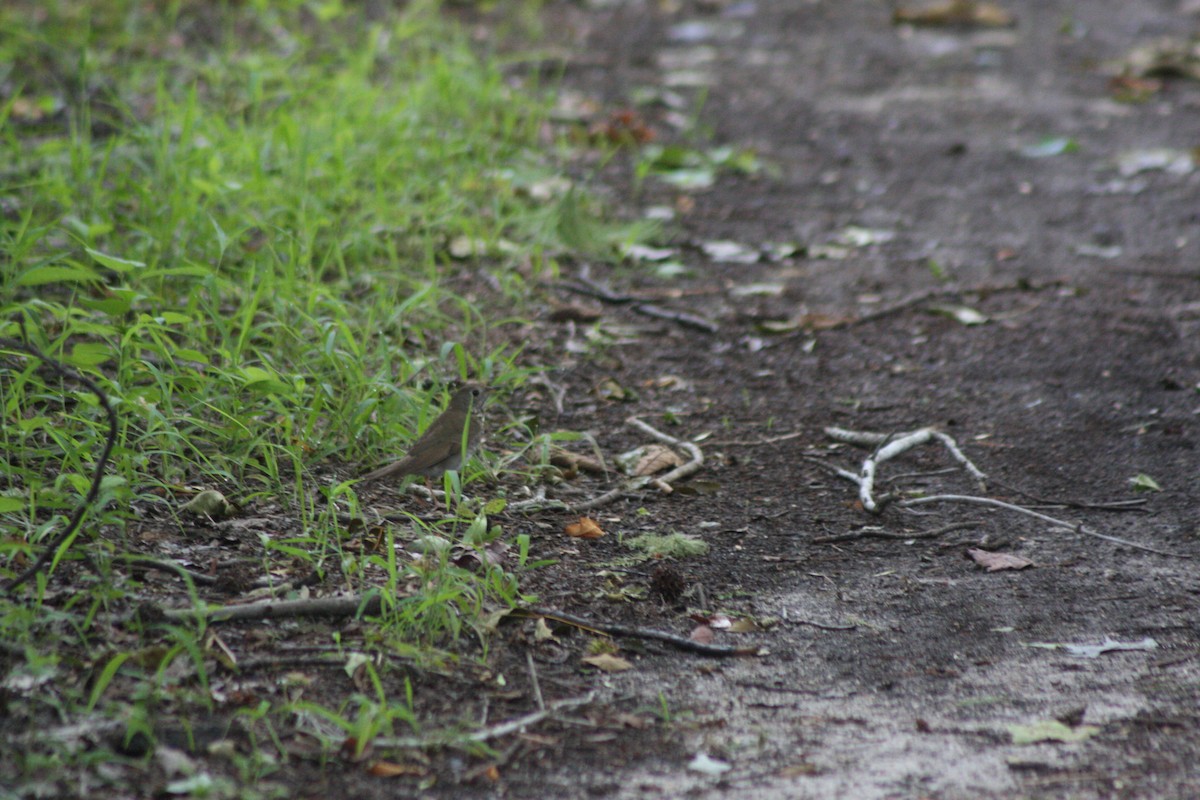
{"points": [[1050, 146], [702, 634], [656, 458], [758, 290], [542, 632], [1173, 162], [1144, 483], [611, 389], [586, 528], [639, 252], [1050, 730], [727, 252], [607, 662], [956, 13], [854, 236], [994, 562], [709, 766], [807, 322], [1108, 646], [961, 314], [390, 769], [744, 625], [1095, 650]]}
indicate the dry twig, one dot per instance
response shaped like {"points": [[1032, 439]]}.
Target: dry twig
{"points": [[891, 446], [876, 533], [586, 286], [613, 629], [487, 734]]}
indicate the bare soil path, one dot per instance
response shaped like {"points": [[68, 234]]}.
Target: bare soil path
{"points": [[910, 160]]}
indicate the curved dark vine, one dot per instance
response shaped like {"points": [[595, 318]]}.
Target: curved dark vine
{"points": [[66, 373]]}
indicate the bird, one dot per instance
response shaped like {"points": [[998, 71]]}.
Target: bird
{"points": [[440, 448]]}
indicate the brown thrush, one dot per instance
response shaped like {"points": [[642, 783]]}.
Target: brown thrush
{"points": [[440, 447]]}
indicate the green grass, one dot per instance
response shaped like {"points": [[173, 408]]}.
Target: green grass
{"points": [[238, 219]]}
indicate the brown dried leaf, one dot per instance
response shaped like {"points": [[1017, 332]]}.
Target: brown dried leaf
{"points": [[607, 662], [656, 458], [744, 625], [542, 632], [390, 769], [611, 389], [956, 12], [586, 528], [994, 562]]}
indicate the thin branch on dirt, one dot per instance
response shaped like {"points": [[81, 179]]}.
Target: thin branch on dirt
{"points": [[346, 606], [171, 567], [533, 680], [662, 483], [916, 298], [486, 734], [876, 533], [892, 445], [833, 469], [812, 624], [1078, 528], [68, 374], [584, 285], [1132, 504], [889, 447], [613, 629], [291, 661], [819, 625], [758, 442], [682, 317]]}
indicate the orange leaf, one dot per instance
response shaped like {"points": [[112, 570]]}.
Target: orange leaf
{"points": [[390, 769], [586, 528]]}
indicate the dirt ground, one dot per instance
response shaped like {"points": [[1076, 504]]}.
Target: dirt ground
{"points": [[888, 667], [1084, 376]]}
